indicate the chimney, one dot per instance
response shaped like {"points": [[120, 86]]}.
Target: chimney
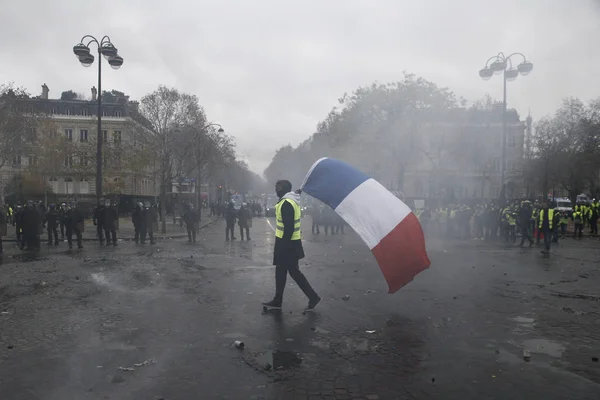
{"points": [[94, 93], [45, 91]]}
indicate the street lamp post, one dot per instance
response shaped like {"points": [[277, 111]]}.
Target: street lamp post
{"points": [[106, 49], [503, 64]]}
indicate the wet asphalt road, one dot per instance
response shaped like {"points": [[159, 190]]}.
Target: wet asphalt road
{"points": [[70, 320]]}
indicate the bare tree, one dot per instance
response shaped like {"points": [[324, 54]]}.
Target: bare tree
{"points": [[168, 111]]}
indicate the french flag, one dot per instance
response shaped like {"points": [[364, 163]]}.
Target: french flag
{"points": [[383, 221]]}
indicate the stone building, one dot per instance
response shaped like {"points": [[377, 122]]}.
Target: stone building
{"points": [[73, 176]]}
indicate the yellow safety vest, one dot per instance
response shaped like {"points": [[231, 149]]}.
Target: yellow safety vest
{"points": [[297, 235], [550, 218]]}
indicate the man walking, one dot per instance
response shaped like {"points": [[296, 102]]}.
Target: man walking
{"points": [[288, 247], [191, 218], [546, 225], [244, 221], [525, 214], [230, 216]]}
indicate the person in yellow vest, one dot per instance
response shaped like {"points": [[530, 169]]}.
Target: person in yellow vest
{"points": [[546, 225], [578, 221], [288, 247]]}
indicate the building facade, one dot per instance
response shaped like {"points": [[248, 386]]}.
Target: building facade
{"points": [[61, 151]]}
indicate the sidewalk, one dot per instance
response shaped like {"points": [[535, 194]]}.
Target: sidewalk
{"points": [[126, 231]]}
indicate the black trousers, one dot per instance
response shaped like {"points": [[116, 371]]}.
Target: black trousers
{"points": [[111, 234], [594, 226], [144, 233], [70, 232], [293, 269], [62, 231], [52, 231], [525, 233], [191, 232], [100, 233], [242, 228], [229, 230], [578, 231]]}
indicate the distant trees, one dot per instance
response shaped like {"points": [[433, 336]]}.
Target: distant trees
{"points": [[68, 95], [566, 149], [379, 128]]}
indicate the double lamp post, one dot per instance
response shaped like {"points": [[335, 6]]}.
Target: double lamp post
{"points": [[86, 58], [501, 64]]}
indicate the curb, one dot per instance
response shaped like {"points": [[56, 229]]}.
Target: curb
{"points": [[131, 239]]}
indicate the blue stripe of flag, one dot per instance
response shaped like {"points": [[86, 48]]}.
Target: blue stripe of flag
{"points": [[332, 180]]}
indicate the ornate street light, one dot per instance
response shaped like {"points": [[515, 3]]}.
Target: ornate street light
{"points": [[109, 51], [504, 64]]}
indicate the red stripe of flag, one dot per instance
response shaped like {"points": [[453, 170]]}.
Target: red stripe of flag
{"points": [[401, 254]]}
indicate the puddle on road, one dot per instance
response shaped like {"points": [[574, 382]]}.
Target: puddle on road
{"points": [[280, 360], [525, 324], [544, 346]]}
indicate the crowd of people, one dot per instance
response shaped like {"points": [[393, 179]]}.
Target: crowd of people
{"points": [[29, 222], [522, 218]]}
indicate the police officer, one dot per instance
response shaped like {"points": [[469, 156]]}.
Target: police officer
{"points": [[150, 222], [51, 219], [525, 213], [31, 222], [62, 219], [74, 224], [18, 223], [110, 222], [288, 247], [191, 218], [98, 220], [244, 221]]}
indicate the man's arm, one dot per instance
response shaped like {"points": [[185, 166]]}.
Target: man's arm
{"points": [[287, 215]]}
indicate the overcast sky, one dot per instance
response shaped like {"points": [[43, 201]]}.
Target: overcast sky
{"points": [[270, 70]]}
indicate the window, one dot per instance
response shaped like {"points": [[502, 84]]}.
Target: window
{"points": [[52, 111], [117, 137], [105, 135], [68, 161], [84, 112], [83, 135], [68, 111], [69, 185], [16, 159], [54, 184], [84, 186], [104, 113], [69, 134], [118, 113]]}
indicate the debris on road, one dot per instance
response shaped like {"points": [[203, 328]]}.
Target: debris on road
{"points": [[147, 362], [239, 344], [346, 298], [526, 355], [370, 331], [313, 329], [5, 312], [268, 367], [10, 347], [369, 291], [595, 359], [128, 369]]}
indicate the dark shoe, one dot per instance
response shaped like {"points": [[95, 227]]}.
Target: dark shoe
{"points": [[70, 247], [313, 304], [248, 239], [80, 246], [272, 304], [49, 243], [530, 243], [233, 238]]}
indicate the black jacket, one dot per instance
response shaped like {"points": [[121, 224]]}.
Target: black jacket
{"points": [[52, 218], [287, 251]]}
